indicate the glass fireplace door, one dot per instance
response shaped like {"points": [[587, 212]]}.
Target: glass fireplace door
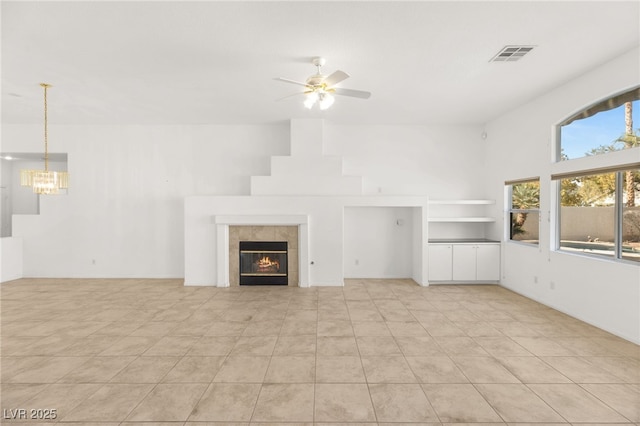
{"points": [[263, 263]]}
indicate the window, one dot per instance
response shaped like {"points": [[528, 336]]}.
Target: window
{"points": [[630, 249], [599, 217], [604, 127], [524, 210], [587, 214], [598, 208]]}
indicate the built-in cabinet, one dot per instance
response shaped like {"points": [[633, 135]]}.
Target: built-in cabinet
{"points": [[440, 262], [476, 262], [464, 261], [459, 252]]}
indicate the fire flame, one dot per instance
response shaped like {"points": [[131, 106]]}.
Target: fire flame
{"points": [[266, 262]]}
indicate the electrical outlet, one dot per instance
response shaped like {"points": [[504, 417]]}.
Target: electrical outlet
{"points": [[535, 279], [552, 285], [357, 262]]}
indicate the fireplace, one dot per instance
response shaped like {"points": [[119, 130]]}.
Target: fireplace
{"points": [[263, 263]]}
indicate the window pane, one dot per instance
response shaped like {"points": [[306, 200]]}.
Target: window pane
{"points": [[587, 214], [525, 227], [525, 223], [600, 133], [631, 215], [525, 195]]}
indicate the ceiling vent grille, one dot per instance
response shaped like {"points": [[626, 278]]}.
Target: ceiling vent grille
{"points": [[511, 53]]}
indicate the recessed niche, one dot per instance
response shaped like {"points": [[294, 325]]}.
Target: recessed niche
{"points": [[17, 199]]}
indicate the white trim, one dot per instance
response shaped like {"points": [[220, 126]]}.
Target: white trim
{"points": [[261, 219], [462, 219], [222, 240], [452, 202]]}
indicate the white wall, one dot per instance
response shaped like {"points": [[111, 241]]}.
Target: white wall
{"points": [[519, 145], [23, 200], [10, 259], [6, 177], [440, 161], [378, 242], [124, 214]]}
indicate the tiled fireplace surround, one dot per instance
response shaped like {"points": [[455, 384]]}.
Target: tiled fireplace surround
{"points": [[263, 233], [231, 229]]}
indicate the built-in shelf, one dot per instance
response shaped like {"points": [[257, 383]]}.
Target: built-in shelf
{"points": [[461, 219], [453, 214], [462, 241], [452, 202], [464, 262], [457, 249]]}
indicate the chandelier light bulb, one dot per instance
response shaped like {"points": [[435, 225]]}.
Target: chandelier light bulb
{"points": [[326, 100], [311, 99]]}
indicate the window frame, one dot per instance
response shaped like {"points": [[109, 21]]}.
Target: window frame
{"points": [[616, 162], [611, 102], [510, 211], [618, 205]]}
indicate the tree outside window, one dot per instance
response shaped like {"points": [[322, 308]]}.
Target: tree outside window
{"points": [[598, 213], [524, 212]]}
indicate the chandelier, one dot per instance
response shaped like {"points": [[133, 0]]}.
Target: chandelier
{"points": [[45, 181]]}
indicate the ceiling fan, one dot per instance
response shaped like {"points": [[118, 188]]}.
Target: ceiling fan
{"points": [[320, 88]]}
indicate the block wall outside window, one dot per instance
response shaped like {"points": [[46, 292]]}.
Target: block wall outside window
{"points": [[630, 249], [587, 214], [599, 217]]}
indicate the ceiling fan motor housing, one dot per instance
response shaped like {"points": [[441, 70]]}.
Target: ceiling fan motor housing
{"points": [[316, 80], [318, 61]]}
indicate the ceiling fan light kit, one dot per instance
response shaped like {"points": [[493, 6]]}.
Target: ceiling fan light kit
{"points": [[322, 98], [319, 88], [325, 100], [310, 99]]}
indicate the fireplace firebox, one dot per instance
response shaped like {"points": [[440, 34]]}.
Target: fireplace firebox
{"points": [[263, 263]]}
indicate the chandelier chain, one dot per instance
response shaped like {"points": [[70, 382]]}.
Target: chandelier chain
{"points": [[46, 134]]}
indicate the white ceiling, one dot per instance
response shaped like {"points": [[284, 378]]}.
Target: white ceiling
{"points": [[202, 62]]}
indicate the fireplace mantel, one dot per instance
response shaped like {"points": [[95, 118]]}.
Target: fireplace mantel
{"points": [[320, 222], [223, 222]]}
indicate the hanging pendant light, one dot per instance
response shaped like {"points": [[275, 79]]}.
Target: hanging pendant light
{"points": [[45, 181]]}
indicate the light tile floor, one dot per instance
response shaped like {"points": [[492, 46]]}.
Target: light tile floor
{"points": [[373, 352]]}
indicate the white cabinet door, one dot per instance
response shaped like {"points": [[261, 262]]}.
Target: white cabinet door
{"points": [[440, 266], [464, 262], [488, 262]]}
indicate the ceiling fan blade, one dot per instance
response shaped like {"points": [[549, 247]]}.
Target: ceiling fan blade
{"points": [[335, 78], [289, 96], [353, 93], [286, 80]]}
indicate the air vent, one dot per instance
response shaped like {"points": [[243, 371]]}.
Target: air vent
{"points": [[511, 53]]}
